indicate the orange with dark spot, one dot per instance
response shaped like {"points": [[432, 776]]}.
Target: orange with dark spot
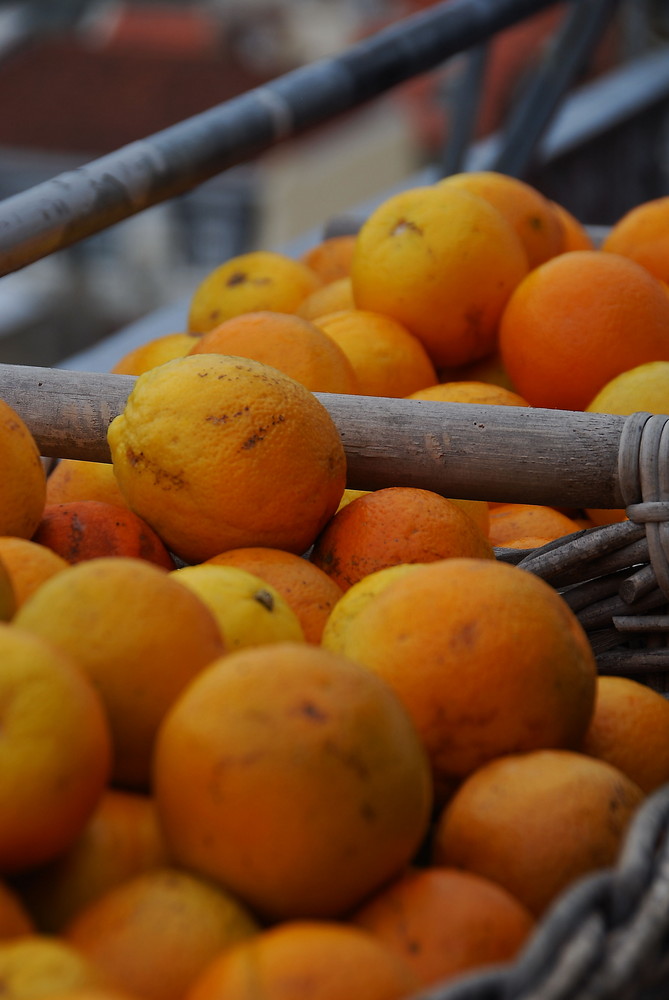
{"points": [[87, 529]]}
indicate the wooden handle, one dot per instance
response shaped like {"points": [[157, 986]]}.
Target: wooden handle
{"points": [[498, 453]]}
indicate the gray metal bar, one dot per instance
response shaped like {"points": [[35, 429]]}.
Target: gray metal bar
{"points": [[74, 205], [580, 31]]}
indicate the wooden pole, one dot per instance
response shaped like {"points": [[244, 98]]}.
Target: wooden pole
{"points": [[498, 453]]}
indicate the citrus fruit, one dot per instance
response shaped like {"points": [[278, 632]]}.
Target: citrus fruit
{"points": [[309, 591], [399, 524], [329, 298], [55, 750], [630, 729], [470, 391], [443, 263], [321, 960], [331, 257], [39, 965], [88, 529], [487, 658], [293, 345], [27, 564], [152, 934], [74, 479], [577, 321], [386, 358], [574, 234], [444, 922], [260, 279], [15, 920], [23, 482], [510, 521], [137, 634], [292, 746], [535, 822], [121, 839], [217, 453], [532, 216], [642, 234], [249, 611], [156, 351]]}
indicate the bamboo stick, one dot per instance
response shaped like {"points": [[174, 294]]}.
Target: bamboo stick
{"points": [[499, 453]]}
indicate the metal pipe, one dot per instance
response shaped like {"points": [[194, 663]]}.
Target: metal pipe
{"points": [[79, 203]]}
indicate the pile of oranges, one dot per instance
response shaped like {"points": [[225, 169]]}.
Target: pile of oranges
{"points": [[267, 737]]}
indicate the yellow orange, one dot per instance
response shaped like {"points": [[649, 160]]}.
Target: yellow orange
{"points": [[23, 481], [218, 453], [444, 264], [137, 634], [260, 279], [386, 358], [28, 565], [55, 754], [156, 351]]}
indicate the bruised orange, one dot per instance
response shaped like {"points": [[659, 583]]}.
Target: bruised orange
{"points": [[89, 529]]}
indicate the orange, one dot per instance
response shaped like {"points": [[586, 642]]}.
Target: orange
{"points": [[28, 565], [444, 922], [443, 262], [524, 542], [574, 234], [155, 352], [293, 345], [630, 729], [642, 234], [481, 393], [249, 611], [331, 257], [15, 921], [399, 524], [218, 453], [535, 822], [478, 510], [309, 591], [260, 279], [121, 839], [531, 215], [73, 479], [55, 754], [509, 521], [87, 529], [319, 960], [152, 934], [386, 358], [138, 635], [643, 388], [487, 658], [38, 965], [577, 321], [330, 298], [23, 481], [293, 777], [355, 598]]}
